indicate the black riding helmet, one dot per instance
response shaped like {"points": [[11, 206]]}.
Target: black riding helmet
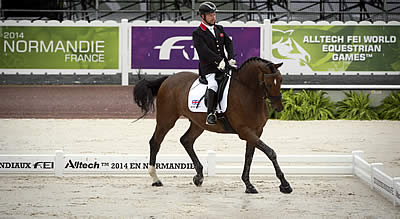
{"points": [[207, 7]]}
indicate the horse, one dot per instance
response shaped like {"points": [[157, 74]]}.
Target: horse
{"points": [[255, 81]]}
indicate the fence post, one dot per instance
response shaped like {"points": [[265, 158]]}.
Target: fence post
{"points": [[396, 190], [378, 166], [360, 154], [194, 9], [97, 9], [59, 163], [124, 53], [211, 163], [266, 52]]}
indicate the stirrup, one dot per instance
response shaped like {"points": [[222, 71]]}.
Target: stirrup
{"points": [[211, 119]]}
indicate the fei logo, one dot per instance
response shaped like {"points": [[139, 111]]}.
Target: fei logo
{"points": [[170, 44], [158, 48]]}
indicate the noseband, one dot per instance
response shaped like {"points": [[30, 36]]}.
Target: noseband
{"points": [[264, 86]]}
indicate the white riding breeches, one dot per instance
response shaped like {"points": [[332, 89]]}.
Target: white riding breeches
{"points": [[212, 83]]}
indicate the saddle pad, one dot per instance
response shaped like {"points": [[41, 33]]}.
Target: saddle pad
{"points": [[196, 101]]}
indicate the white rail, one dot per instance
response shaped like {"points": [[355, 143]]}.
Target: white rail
{"points": [[61, 164]]}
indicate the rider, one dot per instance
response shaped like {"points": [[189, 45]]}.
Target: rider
{"points": [[210, 39]]}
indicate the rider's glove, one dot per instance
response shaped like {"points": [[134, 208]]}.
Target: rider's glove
{"points": [[221, 65], [232, 63]]}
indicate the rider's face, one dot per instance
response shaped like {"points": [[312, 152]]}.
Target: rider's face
{"points": [[211, 18]]}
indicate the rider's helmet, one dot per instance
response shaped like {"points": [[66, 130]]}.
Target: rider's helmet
{"points": [[207, 7]]}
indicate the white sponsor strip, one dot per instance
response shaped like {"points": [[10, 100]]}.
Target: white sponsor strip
{"points": [[62, 164], [396, 182], [78, 164], [373, 175], [27, 163], [381, 181]]}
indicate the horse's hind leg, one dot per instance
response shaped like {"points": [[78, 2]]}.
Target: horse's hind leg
{"points": [[187, 141], [163, 126], [246, 170]]}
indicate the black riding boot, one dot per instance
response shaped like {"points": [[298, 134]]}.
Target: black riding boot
{"points": [[211, 104]]}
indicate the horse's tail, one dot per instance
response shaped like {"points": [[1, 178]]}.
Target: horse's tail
{"points": [[144, 93]]}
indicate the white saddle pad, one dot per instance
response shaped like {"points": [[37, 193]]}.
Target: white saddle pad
{"points": [[196, 100]]}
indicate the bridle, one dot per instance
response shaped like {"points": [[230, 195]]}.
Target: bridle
{"points": [[264, 86]]}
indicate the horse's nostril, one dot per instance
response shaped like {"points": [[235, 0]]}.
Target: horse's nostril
{"points": [[279, 108]]}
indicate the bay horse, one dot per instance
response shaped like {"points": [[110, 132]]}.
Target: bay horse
{"points": [[247, 111]]}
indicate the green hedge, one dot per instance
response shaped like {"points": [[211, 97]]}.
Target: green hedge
{"points": [[316, 105], [390, 107], [356, 106]]}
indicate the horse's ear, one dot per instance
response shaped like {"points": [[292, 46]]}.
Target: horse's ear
{"points": [[278, 65]]}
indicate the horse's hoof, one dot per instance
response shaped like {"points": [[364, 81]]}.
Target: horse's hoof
{"points": [[157, 184], [285, 189], [251, 190], [198, 180]]}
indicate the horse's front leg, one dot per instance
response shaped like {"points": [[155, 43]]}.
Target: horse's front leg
{"points": [[246, 170], [285, 186]]}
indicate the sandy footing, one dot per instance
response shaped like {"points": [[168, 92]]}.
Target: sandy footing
{"points": [[219, 197]]}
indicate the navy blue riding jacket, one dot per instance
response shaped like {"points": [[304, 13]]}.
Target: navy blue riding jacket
{"points": [[211, 49]]}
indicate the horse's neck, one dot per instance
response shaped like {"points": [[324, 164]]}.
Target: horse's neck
{"points": [[247, 83], [248, 94], [248, 76], [247, 91]]}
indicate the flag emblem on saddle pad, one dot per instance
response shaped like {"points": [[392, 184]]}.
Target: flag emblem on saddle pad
{"points": [[195, 102]]}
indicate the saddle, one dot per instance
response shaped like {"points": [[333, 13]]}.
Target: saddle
{"points": [[222, 81]]}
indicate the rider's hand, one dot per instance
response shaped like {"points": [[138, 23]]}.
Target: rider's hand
{"points": [[221, 65], [232, 63]]}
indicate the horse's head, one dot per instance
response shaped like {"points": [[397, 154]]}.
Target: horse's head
{"points": [[270, 80]]}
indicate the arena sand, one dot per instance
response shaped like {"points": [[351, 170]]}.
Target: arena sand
{"points": [[32, 196]]}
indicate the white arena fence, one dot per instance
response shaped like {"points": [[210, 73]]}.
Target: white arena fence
{"points": [[60, 164]]}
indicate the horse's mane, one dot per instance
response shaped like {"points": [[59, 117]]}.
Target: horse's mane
{"points": [[251, 59], [254, 58]]}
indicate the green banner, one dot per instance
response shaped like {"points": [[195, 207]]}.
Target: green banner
{"points": [[26, 47], [337, 47]]}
